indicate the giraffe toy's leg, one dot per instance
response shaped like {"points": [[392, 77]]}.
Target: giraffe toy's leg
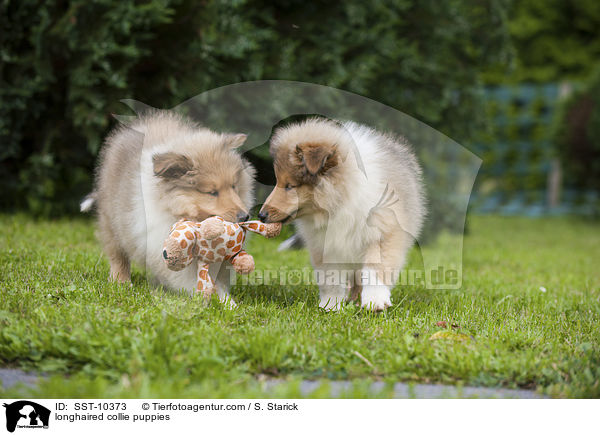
{"points": [[205, 284], [266, 230], [243, 263]]}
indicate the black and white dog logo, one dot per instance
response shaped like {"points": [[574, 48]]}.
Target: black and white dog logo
{"points": [[26, 414]]}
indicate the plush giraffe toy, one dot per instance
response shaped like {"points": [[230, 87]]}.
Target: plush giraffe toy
{"points": [[211, 241]]}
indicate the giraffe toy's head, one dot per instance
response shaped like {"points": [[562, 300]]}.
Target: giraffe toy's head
{"points": [[210, 241], [181, 247]]}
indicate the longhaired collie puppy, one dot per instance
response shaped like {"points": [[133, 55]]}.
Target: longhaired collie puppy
{"points": [[162, 168], [357, 199]]}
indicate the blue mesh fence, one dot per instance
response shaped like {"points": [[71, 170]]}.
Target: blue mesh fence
{"points": [[519, 162]]}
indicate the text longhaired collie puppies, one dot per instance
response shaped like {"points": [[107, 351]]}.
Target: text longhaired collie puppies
{"points": [[159, 169], [357, 198]]}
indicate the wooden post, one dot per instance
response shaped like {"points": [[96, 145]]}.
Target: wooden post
{"points": [[555, 174], [554, 183]]}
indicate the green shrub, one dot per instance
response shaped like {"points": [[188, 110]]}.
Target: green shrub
{"points": [[66, 64], [553, 40]]}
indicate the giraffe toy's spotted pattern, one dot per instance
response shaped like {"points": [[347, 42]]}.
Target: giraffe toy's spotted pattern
{"points": [[211, 241]]}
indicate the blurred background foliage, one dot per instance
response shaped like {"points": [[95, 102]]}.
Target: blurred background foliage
{"points": [[551, 40], [577, 136], [538, 148], [64, 66]]}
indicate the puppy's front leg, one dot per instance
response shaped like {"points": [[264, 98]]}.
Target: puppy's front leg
{"points": [[222, 284], [333, 281], [334, 286], [383, 262]]}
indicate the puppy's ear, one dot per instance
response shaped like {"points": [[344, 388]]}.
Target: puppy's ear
{"points": [[171, 165], [235, 140], [317, 158]]}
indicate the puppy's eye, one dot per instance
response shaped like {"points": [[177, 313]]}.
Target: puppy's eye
{"points": [[289, 187], [212, 193]]}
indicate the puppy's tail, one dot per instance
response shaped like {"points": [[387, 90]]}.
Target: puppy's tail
{"points": [[294, 242], [88, 202]]}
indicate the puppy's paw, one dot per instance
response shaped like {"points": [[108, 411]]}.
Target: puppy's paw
{"points": [[120, 278], [376, 297], [331, 304], [228, 302]]}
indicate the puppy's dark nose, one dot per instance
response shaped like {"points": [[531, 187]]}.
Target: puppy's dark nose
{"points": [[263, 215], [242, 216]]}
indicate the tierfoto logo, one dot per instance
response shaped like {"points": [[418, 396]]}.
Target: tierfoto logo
{"points": [[24, 414]]}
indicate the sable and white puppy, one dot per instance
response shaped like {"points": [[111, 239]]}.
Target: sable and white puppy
{"points": [[162, 168], [357, 199]]}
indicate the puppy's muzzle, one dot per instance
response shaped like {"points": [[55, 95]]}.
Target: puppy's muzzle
{"points": [[267, 217], [242, 216]]}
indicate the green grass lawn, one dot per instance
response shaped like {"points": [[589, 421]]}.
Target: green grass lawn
{"points": [[60, 316]]}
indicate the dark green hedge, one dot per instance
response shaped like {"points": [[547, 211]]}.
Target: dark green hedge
{"points": [[66, 64], [554, 40]]}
